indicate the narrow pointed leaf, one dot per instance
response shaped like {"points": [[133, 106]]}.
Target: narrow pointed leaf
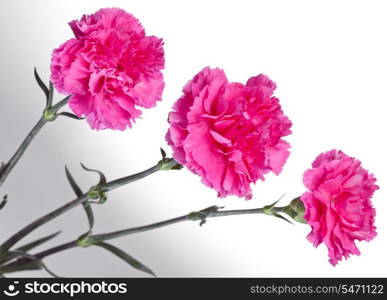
{"points": [[281, 217], [41, 83], [29, 246], [89, 213], [273, 204], [77, 190], [102, 177], [2, 166], [37, 242], [3, 202], [163, 153], [86, 205], [70, 115], [39, 263], [126, 257], [60, 104], [10, 268]]}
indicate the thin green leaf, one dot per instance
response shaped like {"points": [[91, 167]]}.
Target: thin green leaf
{"points": [[126, 257], [89, 213], [70, 115], [2, 166], [102, 177], [37, 242], [37, 260], [86, 205], [29, 246], [163, 153], [281, 217], [77, 190], [60, 104], [3, 202], [25, 266], [273, 204], [41, 83]]}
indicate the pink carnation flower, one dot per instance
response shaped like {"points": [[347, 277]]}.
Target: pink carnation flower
{"points": [[229, 133], [338, 205], [111, 68]]}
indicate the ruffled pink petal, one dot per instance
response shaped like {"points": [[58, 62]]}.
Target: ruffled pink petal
{"points": [[338, 204], [230, 134], [110, 68]]}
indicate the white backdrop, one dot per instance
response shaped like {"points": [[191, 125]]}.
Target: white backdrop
{"points": [[328, 59]]}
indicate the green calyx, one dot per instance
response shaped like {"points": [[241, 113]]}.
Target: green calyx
{"points": [[49, 114], [167, 164], [95, 193], [86, 240], [272, 210], [296, 210], [268, 210]]}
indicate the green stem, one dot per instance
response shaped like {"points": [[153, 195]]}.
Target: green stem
{"points": [[37, 223], [7, 168], [193, 216], [49, 114], [57, 212], [211, 212], [129, 179]]}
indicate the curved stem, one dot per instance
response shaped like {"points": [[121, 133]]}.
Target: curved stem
{"points": [[37, 223], [81, 199], [129, 179], [120, 233], [211, 212], [24, 264], [49, 114], [7, 168], [57, 249]]}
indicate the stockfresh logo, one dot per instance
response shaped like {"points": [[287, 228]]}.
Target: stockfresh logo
{"points": [[12, 289]]}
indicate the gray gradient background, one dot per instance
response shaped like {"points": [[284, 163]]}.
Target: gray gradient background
{"points": [[329, 61]]}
